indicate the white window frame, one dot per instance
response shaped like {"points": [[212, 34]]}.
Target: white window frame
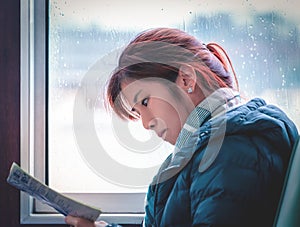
{"points": [[33, 128]]}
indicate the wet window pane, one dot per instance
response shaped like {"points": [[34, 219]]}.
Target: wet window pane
{"points": [[85, 38]]}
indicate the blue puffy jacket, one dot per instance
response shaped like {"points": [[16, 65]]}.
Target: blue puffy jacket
{"points": [[239, 185]]}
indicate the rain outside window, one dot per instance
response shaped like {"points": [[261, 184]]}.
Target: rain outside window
{"points": [[85, 39]]}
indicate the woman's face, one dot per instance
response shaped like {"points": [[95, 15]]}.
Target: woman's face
{"points": [[157, 107]]}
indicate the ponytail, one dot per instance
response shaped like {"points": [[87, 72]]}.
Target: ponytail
{"points": [[222, 56]]}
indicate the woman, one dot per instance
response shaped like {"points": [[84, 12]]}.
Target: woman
{"points": [[230, 156]]}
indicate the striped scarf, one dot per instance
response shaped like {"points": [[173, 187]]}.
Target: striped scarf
{"points": [[217, 103]]}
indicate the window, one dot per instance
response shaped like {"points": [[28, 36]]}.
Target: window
{"points": [[69, 48]]}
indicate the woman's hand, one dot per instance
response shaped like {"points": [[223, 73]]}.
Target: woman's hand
{"points": [[80, 222]]}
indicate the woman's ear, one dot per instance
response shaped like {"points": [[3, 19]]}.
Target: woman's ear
{"points": [[187, 78]]}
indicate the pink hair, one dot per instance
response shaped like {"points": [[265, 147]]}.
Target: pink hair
{"points": [[160, 53]]}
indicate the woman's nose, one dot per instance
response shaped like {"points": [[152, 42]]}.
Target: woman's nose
{"points": [[148, 120]]}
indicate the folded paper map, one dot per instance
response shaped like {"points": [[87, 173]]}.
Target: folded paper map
{"points": [[63, 204]]}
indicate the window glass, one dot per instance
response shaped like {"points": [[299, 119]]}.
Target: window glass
{"points": [[86, 144]]}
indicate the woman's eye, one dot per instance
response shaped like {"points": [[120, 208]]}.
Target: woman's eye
{"points": [[145, 101]]}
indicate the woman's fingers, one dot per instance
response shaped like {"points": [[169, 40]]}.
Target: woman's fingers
{"points": [[79, 222], [101, 224]]}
